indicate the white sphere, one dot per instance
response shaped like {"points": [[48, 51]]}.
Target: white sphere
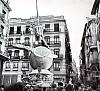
{"points": [[40, 57]]}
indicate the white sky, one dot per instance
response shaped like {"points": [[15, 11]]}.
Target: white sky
{"points": [[74, 11]]}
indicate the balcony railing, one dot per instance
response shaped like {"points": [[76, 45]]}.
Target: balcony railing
{"points": [[25, 69], [56, 69], [53, 43], [60, 56], [48, 30], [15, 34], [26, 43], [15, 58], [26, 32], [9, 44], [7, 69], [15, 68]]}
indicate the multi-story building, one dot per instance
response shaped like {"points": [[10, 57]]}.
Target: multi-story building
{"points": [[90, 59], [56, 35], [4, 11]]}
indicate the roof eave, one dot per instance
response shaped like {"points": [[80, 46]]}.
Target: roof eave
{"points": [[6, 4], [95, 5]]}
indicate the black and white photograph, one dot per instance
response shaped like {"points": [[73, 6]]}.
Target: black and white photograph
{"points": [[49, 45]]}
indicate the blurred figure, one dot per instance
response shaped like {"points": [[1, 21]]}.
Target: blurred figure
{"points": [[69, 87], [2, 88], [89, 88], [98, 89], [16, 87], [44, 88], [53, 87], [81, 88], [60, 86], [48, 89], [76, 87], [31, 88]]}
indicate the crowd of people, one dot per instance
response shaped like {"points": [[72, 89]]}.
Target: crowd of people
{"points": [[54, 87]]}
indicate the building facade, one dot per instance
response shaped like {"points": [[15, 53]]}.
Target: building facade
{"points": [[89, 55], [4, 11], [56, 35]]}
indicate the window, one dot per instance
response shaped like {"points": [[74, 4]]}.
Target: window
{"points": [[3, 11], [47, 26], [10, 53], [56, 51], [18, 40], [7, 65], [0, 46], [27, 30], [18, 29], [27, 39], [10, 41], [16, 54], [2, 27], [56, 66], [56, 39], [56, 27], [26, 54], [15, 65], [47, 39], [98, 33], [25, 66], [11, 30]]}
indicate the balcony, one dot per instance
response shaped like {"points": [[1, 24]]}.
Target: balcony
{"points": [[15, 68], [7, 69], [93, 47], [27, 43], [9, 44], [15, 58], [26, 32], [25, 69], [25, 66], [56, 69], [54, 44], [24, 58], [50, 31], [15, 34], [60, 56]]}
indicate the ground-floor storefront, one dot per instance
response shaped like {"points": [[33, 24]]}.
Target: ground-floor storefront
{"points": [[11, 78]]}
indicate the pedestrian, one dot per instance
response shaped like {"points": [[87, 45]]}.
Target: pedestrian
{"points": [[48, 89], [2, 88], [53, 87], [60, 86], [69, 87], [81, 88], [89, 88], [98, 89], [16, 87], [31, 88], [76, 87]]}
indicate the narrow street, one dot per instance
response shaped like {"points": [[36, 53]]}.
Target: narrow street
{"points": [[47, 50]]}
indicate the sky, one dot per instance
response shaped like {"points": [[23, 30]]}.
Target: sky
{"points": [[74, 11]]}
